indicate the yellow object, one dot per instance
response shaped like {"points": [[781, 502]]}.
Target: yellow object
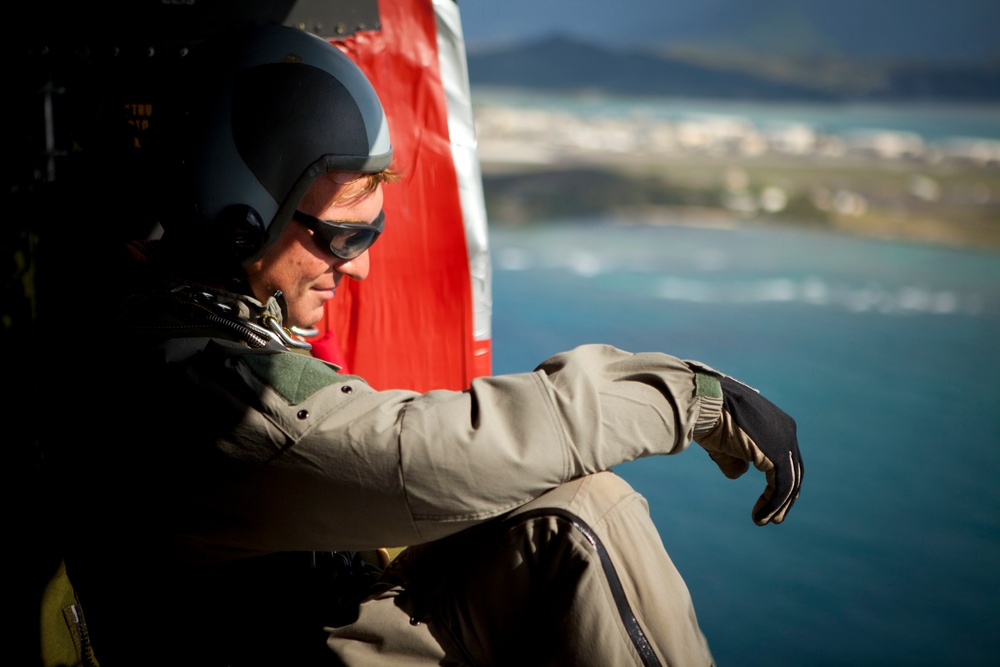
{"points": [[63, 631]]}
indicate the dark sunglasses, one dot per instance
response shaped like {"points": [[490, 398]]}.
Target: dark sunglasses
{"points": [[346, 240]]}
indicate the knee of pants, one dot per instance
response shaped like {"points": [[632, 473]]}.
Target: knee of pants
{"points": [[568, 564], [597, 518], [591, 498], [587, 503]]}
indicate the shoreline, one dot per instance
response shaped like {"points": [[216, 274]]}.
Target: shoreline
{"points": [[550, 162], [957, 207]]}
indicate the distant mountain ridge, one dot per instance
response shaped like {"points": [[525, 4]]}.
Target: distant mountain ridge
{"points": [[885, 31], [567, 64]]}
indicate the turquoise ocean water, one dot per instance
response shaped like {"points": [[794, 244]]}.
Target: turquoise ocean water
{"points": [[885, 353]]}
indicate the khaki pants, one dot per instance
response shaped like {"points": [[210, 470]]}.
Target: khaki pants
{"points": [[577, 577]]}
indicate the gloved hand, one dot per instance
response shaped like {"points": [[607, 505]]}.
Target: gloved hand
{"points": [[751, 428]]}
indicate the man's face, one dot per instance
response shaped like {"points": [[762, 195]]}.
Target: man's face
{"points": [[300, 264]]}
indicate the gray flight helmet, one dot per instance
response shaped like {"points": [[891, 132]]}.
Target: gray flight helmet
{"points": [[271, 108]]}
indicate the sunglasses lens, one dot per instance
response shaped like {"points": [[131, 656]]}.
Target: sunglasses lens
{"points": [[348, 244], [346, 240]]}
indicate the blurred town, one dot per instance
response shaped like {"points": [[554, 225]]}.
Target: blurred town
{"points": [[548, 164]]}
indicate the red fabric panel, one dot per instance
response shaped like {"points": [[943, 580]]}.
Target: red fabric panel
{"points": [[409, 325]]}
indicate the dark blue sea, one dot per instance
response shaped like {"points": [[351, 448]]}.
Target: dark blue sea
{"points": [[888, 356]]}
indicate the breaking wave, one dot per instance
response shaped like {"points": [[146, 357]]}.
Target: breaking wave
{"points": [[809, 290], [814, 291]]}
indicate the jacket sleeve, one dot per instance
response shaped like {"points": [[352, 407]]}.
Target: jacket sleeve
{"points": [[511, 438], [350, 467]]}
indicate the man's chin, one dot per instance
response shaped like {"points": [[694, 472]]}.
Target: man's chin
{"points": [[305, 320]]}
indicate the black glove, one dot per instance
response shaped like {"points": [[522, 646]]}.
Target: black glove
{"points": [[751, 428]]}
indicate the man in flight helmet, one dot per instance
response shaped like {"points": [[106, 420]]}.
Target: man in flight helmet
{"points": [[234, 501], [253, 118]]}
